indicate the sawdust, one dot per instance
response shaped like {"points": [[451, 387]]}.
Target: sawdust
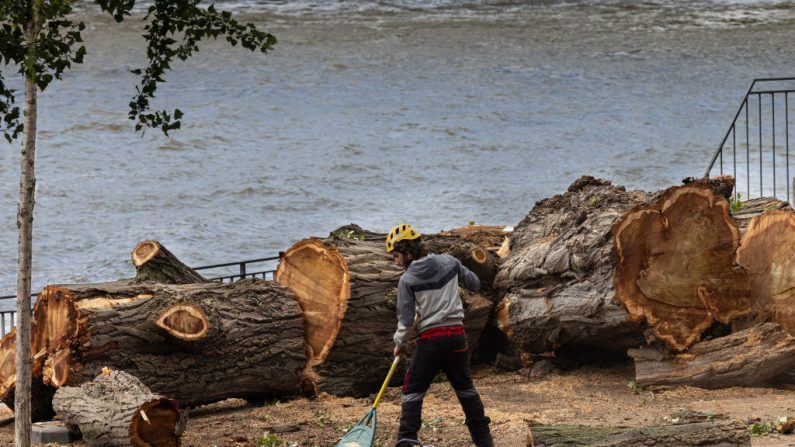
{"points": [[589, 396]]}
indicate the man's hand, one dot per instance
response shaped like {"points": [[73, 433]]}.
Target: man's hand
{"points": [[401, 351]]}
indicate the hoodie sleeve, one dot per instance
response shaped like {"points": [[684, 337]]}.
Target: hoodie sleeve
{"points": [[467, 279], [405, 312]]}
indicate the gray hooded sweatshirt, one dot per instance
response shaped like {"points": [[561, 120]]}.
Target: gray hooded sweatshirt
{"points": [[429, 291]]}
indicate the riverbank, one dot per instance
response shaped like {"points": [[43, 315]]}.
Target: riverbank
{"points": [[588, 396]]}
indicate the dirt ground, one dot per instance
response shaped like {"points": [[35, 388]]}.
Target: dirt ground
{"points": [[588, 396]]}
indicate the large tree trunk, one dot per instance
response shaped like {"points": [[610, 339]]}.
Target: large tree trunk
{"points": [[347, 288], [767, 251], [117, 410], [154, 263], [750, 357], [196, 343], [690, 430], [557, 280], [677, 265]]}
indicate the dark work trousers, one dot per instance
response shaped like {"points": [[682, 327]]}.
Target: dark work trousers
{"points": [[441, 349]]}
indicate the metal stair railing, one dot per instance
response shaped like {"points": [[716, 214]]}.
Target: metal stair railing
{"points": [[764, 142], [253, 268]]}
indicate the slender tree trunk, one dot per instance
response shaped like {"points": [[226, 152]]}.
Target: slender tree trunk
{"points": [[27, 188]]}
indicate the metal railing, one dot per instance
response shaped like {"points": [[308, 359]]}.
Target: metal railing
{"points": [[229, 272], [764, 141]]}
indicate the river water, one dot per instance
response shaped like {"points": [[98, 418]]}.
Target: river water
{"points": [[435, 113]]}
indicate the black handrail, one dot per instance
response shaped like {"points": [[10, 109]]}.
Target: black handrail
{"points": [[761, 130], [9, 316]]}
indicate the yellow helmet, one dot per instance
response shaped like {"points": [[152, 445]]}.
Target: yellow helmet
{"points": [[401, 232]]}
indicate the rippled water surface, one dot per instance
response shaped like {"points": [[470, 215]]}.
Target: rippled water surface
{"points": [[435, 113]]}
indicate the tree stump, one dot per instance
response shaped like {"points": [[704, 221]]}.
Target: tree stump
{"points": [[154, 263], [749, 357], [767, 251], [687, 429], [196, 343], [346, 286], [677, 265], [557, 280], [117, 410]]}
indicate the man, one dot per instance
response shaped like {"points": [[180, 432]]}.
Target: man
{"points": [[429, 290]]}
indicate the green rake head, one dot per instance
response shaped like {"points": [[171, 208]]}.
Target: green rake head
{"points": [[362, 434]]}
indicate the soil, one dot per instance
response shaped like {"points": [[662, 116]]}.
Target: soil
{"points": [[588, 396]]}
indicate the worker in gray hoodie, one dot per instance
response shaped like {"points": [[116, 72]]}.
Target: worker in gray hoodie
{"points": [[428, 298]]}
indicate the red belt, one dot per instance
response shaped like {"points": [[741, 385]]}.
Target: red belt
{"points": [[444, 330]]}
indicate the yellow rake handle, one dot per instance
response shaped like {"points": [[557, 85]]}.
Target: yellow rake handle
{"points": [[386, 382]]}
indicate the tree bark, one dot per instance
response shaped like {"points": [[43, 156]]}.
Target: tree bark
{"points": [[677, 265], [766, 250], [196, 343], [557, 280], [750, 357], [117, 410], [689, 430], [154, 263], [347, 288]]}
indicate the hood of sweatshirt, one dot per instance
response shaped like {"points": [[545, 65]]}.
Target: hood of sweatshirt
{"points": [[425, 267]]}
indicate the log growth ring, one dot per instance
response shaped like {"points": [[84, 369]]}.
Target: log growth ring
{"points": [[318, 276]]}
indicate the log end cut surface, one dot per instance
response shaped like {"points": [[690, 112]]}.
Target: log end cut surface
{"points": [[158, 427], [144, 251], [8, 368], [767, 251], [318, 276], [677, 265], [184, 321]]}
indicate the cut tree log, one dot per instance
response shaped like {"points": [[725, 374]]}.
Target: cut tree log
{"points": [[677, 265], [768, 251], [752, 356], [587, 268], [196, 343], [686, 429], [117, 410], [347, 288], [154, 263], [557, 280]]}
